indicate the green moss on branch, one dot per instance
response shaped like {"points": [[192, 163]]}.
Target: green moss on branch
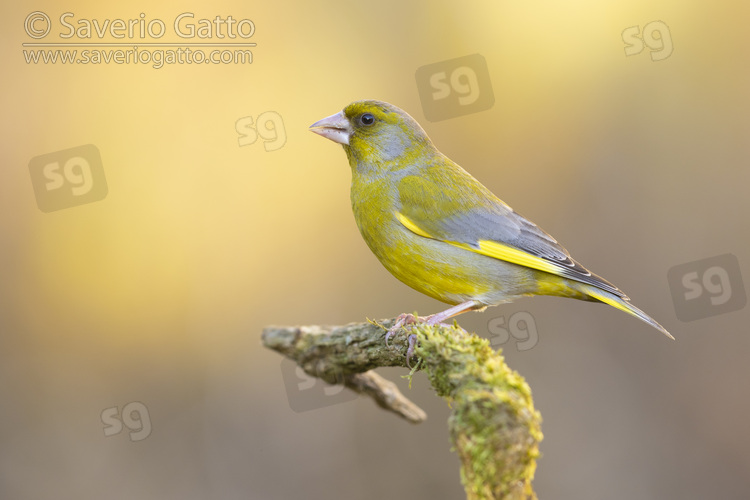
{"points": [[493, 425]]}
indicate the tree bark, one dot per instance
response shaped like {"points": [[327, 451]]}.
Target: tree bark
{"points": [[493, 426]]}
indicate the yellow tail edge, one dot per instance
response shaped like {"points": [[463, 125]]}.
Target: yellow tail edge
{"points": [[624, 306]]}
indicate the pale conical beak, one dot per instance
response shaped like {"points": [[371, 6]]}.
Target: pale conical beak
{"points": [[335, 127]]}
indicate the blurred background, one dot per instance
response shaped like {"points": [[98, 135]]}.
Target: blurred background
{"points": [[131, 314]]}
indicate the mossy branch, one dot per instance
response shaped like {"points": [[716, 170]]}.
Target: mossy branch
{"points": [[493, 425]]}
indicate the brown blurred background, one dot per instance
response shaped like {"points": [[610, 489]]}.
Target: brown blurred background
{"points": [[150, 302]]}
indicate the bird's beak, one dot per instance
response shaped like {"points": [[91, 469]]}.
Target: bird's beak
{"points": [[335, 127]]}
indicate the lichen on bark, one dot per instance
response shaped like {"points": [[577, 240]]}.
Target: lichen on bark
{"points": [[493, 425]]}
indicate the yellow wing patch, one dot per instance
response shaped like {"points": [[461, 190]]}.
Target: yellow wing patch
{"points": [[516, 256], [408, 224], [492, 249]]}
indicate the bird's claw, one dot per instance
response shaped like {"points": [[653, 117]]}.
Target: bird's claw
{"points": [[401, 321], [408, 319], [412, 340]]}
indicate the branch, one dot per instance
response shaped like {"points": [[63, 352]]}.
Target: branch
{"points": [[493, 426], [346, 354]]}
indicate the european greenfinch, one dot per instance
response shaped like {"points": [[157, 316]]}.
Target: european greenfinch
{"points": [[440, 231]]}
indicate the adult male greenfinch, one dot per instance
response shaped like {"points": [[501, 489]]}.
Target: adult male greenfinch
{"points": [[440, 231]]}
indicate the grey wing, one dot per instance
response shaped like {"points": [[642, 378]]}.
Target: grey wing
{"points": [[482, 216]]}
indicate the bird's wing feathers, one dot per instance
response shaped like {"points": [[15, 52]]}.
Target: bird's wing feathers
{"points": [[478, 221]]}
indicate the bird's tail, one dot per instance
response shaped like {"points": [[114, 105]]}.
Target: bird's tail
{"points": [[622, 304]]}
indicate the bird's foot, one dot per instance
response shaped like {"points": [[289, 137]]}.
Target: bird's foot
{"points": [[408, 320], [401, 321]]}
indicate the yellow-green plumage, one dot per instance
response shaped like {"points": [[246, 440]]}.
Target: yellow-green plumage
{"points": [[439, 230]]}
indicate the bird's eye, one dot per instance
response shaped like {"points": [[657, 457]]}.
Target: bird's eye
{"points": [[367, 119]]}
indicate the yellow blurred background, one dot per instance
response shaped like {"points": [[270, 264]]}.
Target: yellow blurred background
{"points": [[158, 293]]}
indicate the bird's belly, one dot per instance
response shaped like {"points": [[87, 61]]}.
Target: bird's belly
{"points": [[446, 272]]}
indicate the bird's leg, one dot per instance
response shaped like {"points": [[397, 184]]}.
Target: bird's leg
{"points": [[438, 318], [432, 320]]}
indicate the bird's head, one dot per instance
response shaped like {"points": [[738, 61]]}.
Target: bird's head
{"points": [[374, 133]]}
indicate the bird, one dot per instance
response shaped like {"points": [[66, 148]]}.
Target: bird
{"points": [[441, 232]]}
